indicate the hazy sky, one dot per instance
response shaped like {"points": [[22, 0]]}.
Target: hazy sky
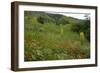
{"points": [[75, 15], [79, 16]]}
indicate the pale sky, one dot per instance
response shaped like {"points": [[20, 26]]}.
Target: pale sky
{"points": [[78, 16], [75, 15]]}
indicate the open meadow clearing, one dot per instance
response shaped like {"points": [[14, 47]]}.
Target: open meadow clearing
{"points": [[55, 36]]}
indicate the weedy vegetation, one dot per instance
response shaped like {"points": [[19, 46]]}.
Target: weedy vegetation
{"points": [[50, 36]]}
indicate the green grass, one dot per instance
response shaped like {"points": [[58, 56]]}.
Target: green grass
{"points": [[45, 42]]}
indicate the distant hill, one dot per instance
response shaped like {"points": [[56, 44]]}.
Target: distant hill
{"points": [[44, 17]]}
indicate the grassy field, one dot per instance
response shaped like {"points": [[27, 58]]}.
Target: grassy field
{"points": [[46, 39]]}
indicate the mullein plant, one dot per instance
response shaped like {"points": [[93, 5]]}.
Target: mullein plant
{"points": [[82, 37]]}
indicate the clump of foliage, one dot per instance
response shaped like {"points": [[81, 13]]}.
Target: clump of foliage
{"points": [[83, 26]]}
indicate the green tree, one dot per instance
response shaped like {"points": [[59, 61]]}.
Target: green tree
{"points": [[82, 26], [40, 19]]}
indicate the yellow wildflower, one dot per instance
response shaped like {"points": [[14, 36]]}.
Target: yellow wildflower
{"points": [[82, 36]]}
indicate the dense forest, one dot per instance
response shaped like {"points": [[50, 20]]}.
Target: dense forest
{"points": [[54, 36]]}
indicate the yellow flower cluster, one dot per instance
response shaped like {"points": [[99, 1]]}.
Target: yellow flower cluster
{"points": [[82, 36]]}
